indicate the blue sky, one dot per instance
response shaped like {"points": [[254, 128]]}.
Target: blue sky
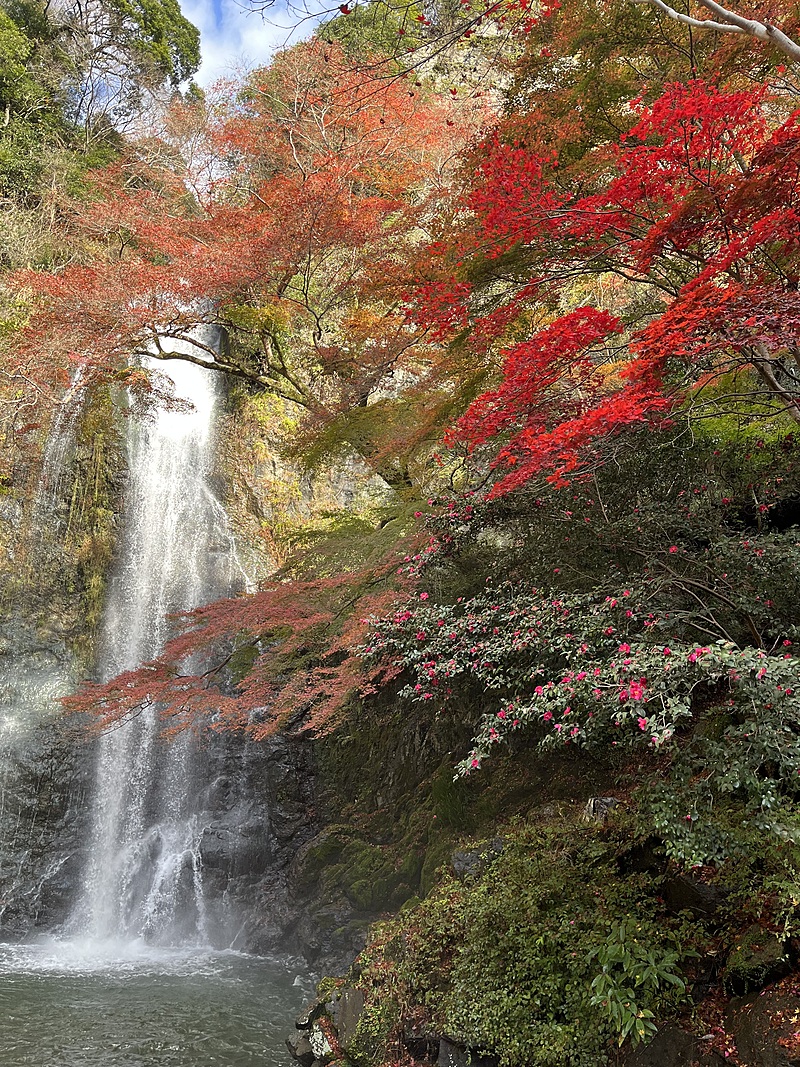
{"points": [[235, 38]]}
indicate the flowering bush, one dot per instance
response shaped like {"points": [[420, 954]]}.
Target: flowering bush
{"points": [[594, 671]]}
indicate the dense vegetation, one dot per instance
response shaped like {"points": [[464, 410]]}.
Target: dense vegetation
{"points": [[537, 277]]}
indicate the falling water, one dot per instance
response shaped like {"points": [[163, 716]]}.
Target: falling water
{"points": [[144, 877]]}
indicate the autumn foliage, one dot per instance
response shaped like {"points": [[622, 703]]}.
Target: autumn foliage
{"points": [[493, 300]]}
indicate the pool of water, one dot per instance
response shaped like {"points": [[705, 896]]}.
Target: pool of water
{"points": [[66, 1004]]}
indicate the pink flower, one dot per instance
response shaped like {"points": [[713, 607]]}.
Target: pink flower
{"points": [[624, 647], [667, 651], [501, 714], [417, 514], [548, 715], [642, 723], [424, 596], [673, 549], [421, 635]]}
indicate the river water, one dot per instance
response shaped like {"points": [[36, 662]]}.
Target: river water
{"points": [[62, 1006]]}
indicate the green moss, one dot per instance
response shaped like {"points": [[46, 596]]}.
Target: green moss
{"points": [[758, 957], [504, 963]]}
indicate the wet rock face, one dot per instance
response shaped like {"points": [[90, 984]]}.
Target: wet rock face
{"points": [[257, 811], [43, 774]]}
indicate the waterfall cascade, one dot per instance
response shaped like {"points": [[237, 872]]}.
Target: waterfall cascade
{"points": [[144, 876]]}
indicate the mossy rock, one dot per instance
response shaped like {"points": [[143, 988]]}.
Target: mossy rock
{"points": [[758, 957], [435, 857]]}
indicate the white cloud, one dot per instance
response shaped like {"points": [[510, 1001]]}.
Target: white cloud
{"points": [[234, 38]]}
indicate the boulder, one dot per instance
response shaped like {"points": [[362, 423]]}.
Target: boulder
{"points": [[345, 1008], [684, 893], [469, 863], [597, 809], [300, 1049], [757, 958], [766, 1025], [673, 1047], [452, 1055]]}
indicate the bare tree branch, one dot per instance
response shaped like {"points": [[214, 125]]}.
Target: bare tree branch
{"points": [[731, 22]]}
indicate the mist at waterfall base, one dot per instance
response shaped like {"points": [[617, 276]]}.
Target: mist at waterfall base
{"points": [[146, 972]]}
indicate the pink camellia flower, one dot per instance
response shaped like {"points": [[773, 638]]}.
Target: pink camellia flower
{"points": [[501, 714], [421, 635], [642, 723], [624, 647], [673, 548], [424, 596], [667, 651], [548, 715]]}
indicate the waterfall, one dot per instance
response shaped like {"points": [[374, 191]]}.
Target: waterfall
{"points": [[144, 876]]}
